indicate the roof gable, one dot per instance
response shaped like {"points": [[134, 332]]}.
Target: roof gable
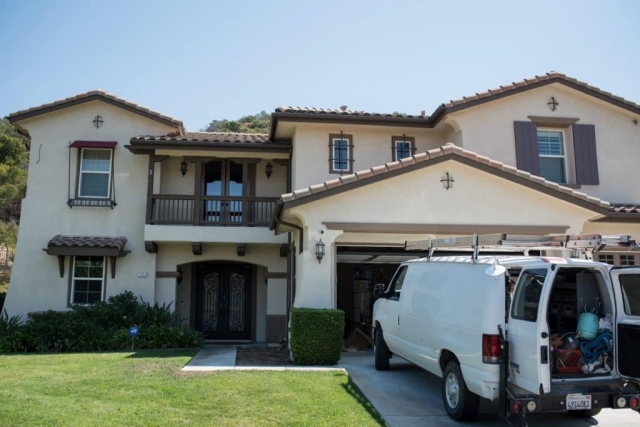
{"points": [[432, 157], [301, 114], [93, 96]]}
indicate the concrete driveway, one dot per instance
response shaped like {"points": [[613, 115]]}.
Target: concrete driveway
{"points": [[407, 396]]}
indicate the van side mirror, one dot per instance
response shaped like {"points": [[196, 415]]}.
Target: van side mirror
{"points": [[378, 290]]}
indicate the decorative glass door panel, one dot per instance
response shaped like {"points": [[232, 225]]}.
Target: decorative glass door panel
{"points": [[224, 300], [223, 188]]}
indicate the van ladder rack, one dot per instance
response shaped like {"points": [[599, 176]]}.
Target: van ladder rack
{"points": [[503, 241]]}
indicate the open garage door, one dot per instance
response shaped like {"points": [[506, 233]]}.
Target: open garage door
{"points": [[358, 270]]}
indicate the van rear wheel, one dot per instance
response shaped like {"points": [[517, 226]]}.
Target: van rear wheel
{"points": [[381, 351], [460, 403]]}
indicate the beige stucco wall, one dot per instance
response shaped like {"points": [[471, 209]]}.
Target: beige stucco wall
{"points": [[35, 281], [418, 197], [488, 130], [372, 147]]}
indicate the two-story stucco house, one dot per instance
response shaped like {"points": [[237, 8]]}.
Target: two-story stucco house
{"points": [[236, 229]]}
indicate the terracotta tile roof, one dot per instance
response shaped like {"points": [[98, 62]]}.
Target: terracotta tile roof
{"points": [[459, 104], [90, 96], [452, 152], [213, 137], [88, 241], [345, 112], [530, 83], [625, 208]]}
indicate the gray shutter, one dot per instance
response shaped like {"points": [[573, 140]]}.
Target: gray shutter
{"points": [[527, 155], [586, 158]]}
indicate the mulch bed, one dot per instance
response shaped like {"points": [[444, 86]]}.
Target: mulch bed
{"points": [[262, 356]]}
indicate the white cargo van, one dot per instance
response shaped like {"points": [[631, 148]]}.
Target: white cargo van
{"points": [[460, 318]]}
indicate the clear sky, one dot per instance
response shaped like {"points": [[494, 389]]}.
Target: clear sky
{"points": [[199, 61]]}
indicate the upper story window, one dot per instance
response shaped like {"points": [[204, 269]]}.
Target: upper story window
{"points": [[552, 156], [557, 149], [95, 173], [94, 184], [402, 147], [340, 153]]}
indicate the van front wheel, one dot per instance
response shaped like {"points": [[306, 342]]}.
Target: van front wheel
{"points": [[382, 352], [460, 403]]}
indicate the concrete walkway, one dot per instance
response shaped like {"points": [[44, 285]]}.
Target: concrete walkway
{"points": [[223, 358]]}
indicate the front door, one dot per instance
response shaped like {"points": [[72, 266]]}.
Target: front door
{"points": [[223, 308]]}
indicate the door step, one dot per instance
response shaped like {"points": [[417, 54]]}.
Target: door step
{"points": [[226, 342]]}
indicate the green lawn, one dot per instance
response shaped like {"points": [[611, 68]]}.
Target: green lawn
{"points": [[146, 388]]}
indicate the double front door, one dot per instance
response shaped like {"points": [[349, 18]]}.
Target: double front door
{"points": [[223, 295]]}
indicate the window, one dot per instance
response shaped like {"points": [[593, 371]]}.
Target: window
{"points": [[87, 283], [402, 147], [95, 173], [552, 156], [627, 260], [396, 285], [340, 153], [527, 298], [630, 284], [608, 259]]}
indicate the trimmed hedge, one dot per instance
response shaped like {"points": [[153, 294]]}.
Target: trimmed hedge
{"points": [[316, 336], [97, 327]]}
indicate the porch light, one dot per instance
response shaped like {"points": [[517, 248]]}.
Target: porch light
{"points": [[447, 181], [268, 170], [320, 250], [183, 167]]}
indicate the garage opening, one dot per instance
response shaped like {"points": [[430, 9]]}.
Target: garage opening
{"points": [[358, 270]]}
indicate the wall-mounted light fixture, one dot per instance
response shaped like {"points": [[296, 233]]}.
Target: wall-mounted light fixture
{"points": [[320, 250], [268, 170], [553, 104], [183, 167], [447, 181]]}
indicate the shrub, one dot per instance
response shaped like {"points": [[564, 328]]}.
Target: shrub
{"points": [[97, 327], [316, 336]]}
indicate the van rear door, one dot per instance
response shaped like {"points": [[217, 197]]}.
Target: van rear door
{"points": [[626, 285], [529, 331]]}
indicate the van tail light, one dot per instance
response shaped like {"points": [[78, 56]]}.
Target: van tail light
{"points": [[490, 348], [633, 402]]}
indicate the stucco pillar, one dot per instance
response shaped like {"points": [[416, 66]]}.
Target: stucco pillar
{"points": [[315, 280]]}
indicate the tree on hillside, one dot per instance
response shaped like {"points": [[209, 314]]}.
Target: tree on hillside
{"points": [[14, 159], [252, 123]]}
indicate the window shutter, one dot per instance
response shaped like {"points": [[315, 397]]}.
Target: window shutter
{"points": [[586, 158], [527, 156]]}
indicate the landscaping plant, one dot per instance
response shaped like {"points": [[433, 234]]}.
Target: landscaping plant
{"points": [[316, 336], [97, 327]]}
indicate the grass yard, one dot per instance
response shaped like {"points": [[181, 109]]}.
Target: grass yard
{"points": [[146, 388]]}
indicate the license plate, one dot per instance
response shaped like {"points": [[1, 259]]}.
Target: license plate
{"points": [[578, 402]]}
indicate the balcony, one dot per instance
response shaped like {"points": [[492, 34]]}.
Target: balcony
{"points": [[210, 211]]}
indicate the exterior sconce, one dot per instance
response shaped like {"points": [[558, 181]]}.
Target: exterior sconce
{"points": [[268, 170], [320, 250], [183, 167], [553, 104], [447, 182]]}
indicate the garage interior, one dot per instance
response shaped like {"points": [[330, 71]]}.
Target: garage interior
{"points": [[359, 269]]}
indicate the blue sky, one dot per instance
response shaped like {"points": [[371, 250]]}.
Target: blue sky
{"points": [[199, 61]]}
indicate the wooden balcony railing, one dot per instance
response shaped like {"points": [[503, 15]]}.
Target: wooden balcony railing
{"points": [[211, 211]]}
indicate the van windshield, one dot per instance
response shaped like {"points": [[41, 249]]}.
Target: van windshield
{"points": [[528, 291]]}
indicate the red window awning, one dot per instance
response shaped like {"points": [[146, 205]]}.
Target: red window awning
{"points": [[94, 144]]}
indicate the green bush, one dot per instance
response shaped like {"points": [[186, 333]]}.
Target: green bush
{"points": [[316, 336], [97, 327]]}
